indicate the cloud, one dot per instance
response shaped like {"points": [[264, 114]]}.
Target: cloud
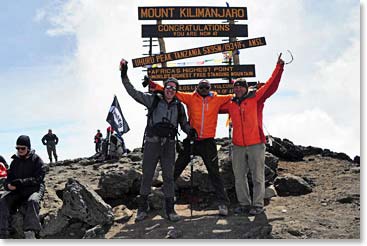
{"points": [[315, 127]]}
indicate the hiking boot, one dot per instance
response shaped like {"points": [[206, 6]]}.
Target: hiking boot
{"points": [[141, 215], [173, 216], [223, 210], [169, 208], [256, 210], [242, 209], [29, 235], [143, 208]]}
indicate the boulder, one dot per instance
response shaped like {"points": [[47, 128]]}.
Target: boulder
{"points": [[284, 149], [339, 156], [116, 183], [291, 185], [82, 210]]}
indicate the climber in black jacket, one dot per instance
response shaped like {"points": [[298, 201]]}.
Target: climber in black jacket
{"points": [[25, 185]]}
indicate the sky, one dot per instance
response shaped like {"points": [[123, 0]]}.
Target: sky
{"points": [[59, 69]]}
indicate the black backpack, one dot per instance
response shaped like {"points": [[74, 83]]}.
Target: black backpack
{"points": [[164, 128]]}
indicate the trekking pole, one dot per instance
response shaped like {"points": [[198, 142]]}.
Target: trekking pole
{"points": [[191, 176]]}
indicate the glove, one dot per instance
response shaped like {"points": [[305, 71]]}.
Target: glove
{"points": [[259, 85], [192, 134], [16, 182], [123, 68], [146, 81]]}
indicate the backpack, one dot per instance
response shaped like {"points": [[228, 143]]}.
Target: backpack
{"points": [[162, 129]]}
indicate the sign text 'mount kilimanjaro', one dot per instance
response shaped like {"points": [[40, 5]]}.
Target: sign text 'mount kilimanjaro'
{"points": [[201, 72], [194, 30], [206, 50], [179, 13]]}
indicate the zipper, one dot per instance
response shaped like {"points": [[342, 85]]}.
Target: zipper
{"points": [[202, 117], [242, 123]]}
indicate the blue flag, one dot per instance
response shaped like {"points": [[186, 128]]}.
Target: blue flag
{"points": [[116, 118]]}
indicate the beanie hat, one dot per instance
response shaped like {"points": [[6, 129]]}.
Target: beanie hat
{"points": [[24, 140], [204, 81], [173, 80], [240, 82]]}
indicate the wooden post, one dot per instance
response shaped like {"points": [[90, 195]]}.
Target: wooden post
{"points": [[162, 44]]}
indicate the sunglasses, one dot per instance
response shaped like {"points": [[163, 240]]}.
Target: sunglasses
{"points": [[206, 87], [20, 148], [171, 87]]}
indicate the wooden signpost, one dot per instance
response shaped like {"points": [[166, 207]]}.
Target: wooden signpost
{"points": [[201, 72], [230, 30], [193, 30], [220, 88], [200, 51], [184, 12]]}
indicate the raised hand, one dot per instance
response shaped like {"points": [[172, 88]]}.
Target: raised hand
{"points": [[280, 60], [123, 68]]}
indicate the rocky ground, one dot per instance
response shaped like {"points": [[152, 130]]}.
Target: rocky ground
{"points": [[330, 211], [329, 207]]}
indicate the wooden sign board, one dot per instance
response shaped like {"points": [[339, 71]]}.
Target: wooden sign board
{"points": [[220, 88], [193, 30], [187, 13], [202, 72], [206, 50]]}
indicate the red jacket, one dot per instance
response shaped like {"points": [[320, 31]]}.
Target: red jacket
{"points": [[247, 115], [3, 171]]}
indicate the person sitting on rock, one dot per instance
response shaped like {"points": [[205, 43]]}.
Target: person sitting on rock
{"points": [[160, 141], [248, 152], [25, 186]]}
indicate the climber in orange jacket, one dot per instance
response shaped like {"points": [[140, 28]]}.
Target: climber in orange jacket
{"points": [[203, 107], [248, 152]]}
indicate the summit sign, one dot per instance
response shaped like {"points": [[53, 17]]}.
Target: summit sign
{"points": [[200, 51], [179, 13]]}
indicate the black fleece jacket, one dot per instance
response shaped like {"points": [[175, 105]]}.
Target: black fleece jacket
{"points": [[27, 174]]}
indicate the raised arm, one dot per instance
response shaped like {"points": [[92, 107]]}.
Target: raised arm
{"points": [[140, 97], [272, 84]]}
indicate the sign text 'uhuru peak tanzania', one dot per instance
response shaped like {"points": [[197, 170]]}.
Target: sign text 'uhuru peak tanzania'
{"points": [[200, 51]]}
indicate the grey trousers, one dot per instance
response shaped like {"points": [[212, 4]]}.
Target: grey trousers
{"points": [[10, 202], [244, 159], [165, 152]]}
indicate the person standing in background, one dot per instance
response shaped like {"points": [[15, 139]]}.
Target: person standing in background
{"points": [[50, 140]]}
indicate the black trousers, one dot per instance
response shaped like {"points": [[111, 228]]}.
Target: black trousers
{"points": [[9, 205], [207, 150], [98, 147], [164, 153], [51, 150]]}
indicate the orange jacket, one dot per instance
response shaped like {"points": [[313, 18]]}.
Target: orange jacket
{"points": [[247, 115], [202, 111]]}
